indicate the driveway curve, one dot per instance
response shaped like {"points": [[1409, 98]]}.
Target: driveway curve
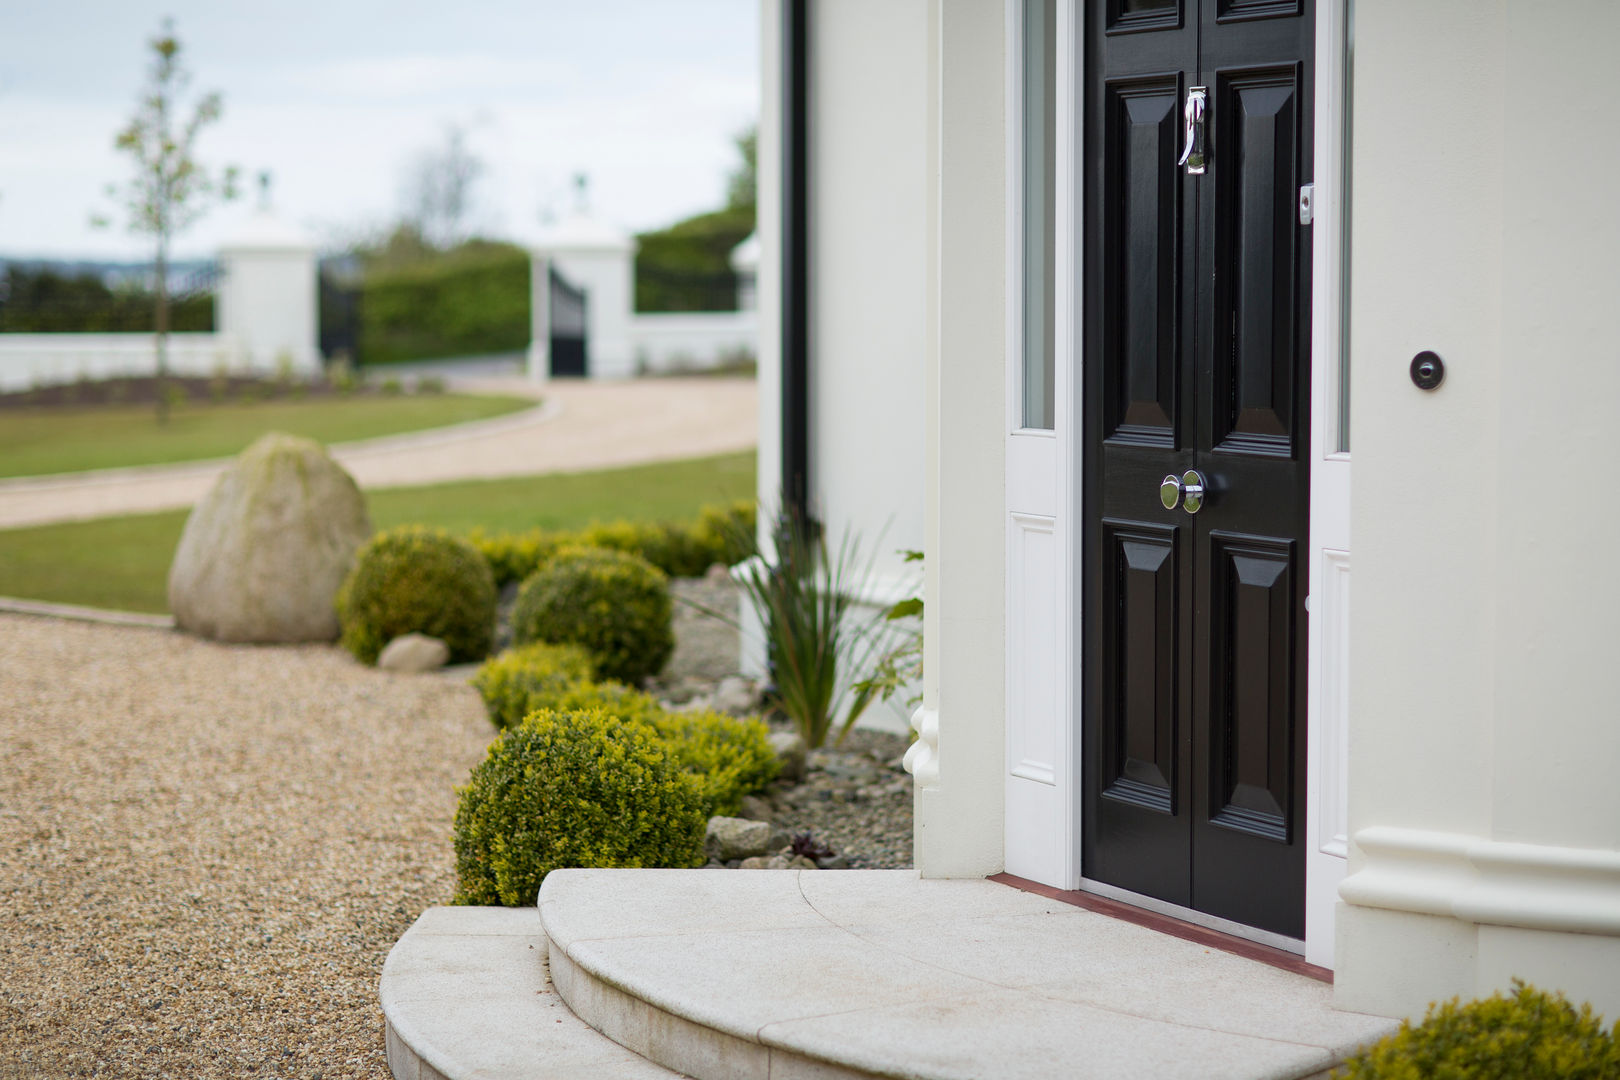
{"points": [[579, 426]]}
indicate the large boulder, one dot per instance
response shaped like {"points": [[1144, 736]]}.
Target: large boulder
{"points": [[265, 550]]}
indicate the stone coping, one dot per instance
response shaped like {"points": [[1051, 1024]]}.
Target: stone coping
{"points": [[798, 974]]}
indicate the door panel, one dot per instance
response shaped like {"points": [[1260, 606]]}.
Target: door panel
{"points": [[1143, 260], [1256, 320], [1196, 355]]}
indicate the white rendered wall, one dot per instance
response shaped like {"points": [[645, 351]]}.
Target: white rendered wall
{"points": [[269, 302], [869, 229], [1484, 814], [692, 340], [33, 360]]}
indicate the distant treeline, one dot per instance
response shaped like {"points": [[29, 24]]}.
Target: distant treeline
{"points": [[39, 300]]}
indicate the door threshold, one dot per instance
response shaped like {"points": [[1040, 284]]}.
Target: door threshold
{"points": [[1245, 941]]}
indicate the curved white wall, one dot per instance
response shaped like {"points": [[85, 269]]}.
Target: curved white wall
{"points": [[1484, 734]]}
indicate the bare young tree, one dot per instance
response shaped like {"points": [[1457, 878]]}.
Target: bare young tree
{"points": [[169, 190], [439, 189]]}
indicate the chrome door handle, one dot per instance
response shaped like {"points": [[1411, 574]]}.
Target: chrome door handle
{"points": [[1189, 490], [1193, 131]]}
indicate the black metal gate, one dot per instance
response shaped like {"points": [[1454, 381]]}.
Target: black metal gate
{"points": [[340, 309], [569, 355]]}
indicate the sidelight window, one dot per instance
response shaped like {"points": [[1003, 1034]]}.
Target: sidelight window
{"points": [[1039, 205]]}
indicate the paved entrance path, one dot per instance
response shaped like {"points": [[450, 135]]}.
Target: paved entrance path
{"points": [[579, 426]]}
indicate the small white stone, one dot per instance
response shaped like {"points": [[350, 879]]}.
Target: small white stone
{"points": [[414, 653]]}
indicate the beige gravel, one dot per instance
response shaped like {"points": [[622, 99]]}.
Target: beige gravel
{"points": [[207, 851]]}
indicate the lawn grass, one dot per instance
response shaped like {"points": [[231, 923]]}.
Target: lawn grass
{"points": [[123, 562], [40, 441]]}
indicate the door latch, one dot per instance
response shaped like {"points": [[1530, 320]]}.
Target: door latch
{"points": [[1307, 203]]}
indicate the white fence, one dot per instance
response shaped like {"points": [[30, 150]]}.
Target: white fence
{"points": [[32, 360], [693, 341]]}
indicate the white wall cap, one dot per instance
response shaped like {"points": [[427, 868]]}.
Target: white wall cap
{"points": [[745, 256], [264, 231], [580, 232]]}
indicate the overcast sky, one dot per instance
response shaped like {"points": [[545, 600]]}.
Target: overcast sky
{"points": [[337, 97]]}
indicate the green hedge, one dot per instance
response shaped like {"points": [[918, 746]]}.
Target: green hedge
{"points": [[572, 789], [46, 301], [687, 267], [469, 301], [721, 534], [530, 677]]}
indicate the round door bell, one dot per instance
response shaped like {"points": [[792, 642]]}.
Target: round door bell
{"points": [[1428, 370]]}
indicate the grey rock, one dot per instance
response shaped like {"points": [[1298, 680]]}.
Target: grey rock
{"points": [[736, 838], [778, 862], [755, 808], [736, 695], [780, 838], [791, 753], [263, 553], [834, 862], [414, 653]]}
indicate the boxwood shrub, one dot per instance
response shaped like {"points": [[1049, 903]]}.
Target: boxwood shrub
{"points": [[727, 756], [721, 534], [521, 680], [418, 580], [572, 789], [614, 604], [1531, 1035]]}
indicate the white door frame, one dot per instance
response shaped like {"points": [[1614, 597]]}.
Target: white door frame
{"points": [[1043, 614]]}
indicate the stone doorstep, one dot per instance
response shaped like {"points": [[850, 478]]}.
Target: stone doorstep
{"points": [[793, 975], [466, 995], [832, 975]]}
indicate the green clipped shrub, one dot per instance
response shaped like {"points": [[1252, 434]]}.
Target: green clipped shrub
{"points": [[521, 680], [568, 789], [1529, 1036], [615, 604], [727, 756], [721, 534], [415, 579]]}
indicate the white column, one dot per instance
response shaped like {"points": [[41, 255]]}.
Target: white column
{"points": [[269, 296]]}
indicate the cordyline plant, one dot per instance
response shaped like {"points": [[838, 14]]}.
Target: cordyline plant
{"points": [[169, 190], [823, 647]]}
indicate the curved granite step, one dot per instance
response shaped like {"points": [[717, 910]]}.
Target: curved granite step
{"points": [[466, 996], [789, 975]]}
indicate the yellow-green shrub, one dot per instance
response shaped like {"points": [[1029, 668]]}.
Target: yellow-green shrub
{"points": [[418, 580], [727, 756], [521, 680], [567, 789], [1529, 1036], [614, 604], [721, 534]]}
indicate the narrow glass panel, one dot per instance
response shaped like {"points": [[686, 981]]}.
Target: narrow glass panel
{"points": [[1040, 194], [1344, 239]]}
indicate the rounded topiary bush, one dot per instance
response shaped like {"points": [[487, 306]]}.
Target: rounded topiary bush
{"points": [[568, 789], [530, 677], [1529, 1036], [613, 603], [418, 580]]}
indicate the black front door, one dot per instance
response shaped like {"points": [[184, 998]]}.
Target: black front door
{"points": [[1197, 360]]}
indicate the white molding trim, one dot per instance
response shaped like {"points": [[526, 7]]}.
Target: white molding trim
{"points": [[1538, 887]]}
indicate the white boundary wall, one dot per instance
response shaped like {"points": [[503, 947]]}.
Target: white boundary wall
{"points": [[32, 360], [692, 341]]}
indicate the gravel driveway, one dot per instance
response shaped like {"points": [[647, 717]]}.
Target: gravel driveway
{"points": [[207, 851]]}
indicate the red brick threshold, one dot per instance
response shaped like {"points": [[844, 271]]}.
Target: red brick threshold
{"points": [[1164, 924]]}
